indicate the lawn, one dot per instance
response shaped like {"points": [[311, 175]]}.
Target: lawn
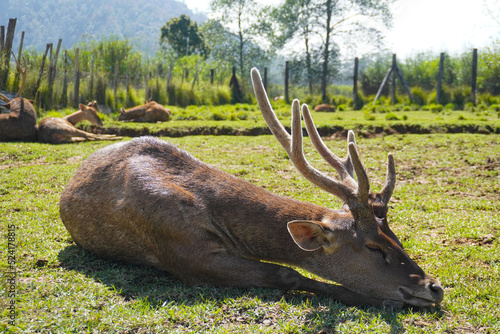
{"points": [[445, 210]]}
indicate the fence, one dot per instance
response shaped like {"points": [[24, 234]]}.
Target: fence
{"points": [[75, 86]]}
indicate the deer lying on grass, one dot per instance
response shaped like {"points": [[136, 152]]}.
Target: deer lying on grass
{"points": [[20, 123], [148, 202], [149, 112], [55, 130]]}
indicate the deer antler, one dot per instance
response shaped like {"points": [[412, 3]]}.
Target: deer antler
{"points": [[354, 194], [23, 73]]}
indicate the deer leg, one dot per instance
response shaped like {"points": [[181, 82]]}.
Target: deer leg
{"points": [[227, 270]]}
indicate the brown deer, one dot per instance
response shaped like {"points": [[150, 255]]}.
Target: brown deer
{"points": [[55, 130], [149, 112], [148, 202], [20, 122]]}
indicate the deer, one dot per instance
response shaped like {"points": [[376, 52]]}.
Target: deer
{"points": [[148, 202], [55, 130], [150, 112], [20, 123]]}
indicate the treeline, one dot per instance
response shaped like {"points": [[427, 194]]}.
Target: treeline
{"points": [[116, 74]]}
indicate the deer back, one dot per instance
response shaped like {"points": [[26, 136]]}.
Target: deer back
{"points": [[20, 123]]}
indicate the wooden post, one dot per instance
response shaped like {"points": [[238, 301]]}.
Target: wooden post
{"points": [[76, 96], [115, 80], [52, 71], [41, 73], [2, 43], [265, 78], [212, 72], [287, 72], [91, 88], [440, 78], [127, 96], [394, 74], [7, 47], [355, 84], [474, 76], [64, 97], [19, 57]]}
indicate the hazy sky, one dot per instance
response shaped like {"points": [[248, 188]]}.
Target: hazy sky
{"points": [[451, 26]]}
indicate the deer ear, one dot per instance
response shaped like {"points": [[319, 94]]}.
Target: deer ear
{"points": [[310, 235], [82, 106]]}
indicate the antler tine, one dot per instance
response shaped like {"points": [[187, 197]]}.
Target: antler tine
{"points": [[272, 121], [390, 180], [23, 72], [363, 181], [293, 143], [342, 166]]}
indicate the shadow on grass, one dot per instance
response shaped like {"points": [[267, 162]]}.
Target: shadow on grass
{"points": [[160, 289]]}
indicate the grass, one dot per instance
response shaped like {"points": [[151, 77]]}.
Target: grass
{"points": [[245, 119], [445, 210]]}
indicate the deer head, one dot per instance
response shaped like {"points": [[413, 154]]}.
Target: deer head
{"points": [[368, 257], [90, 114]]}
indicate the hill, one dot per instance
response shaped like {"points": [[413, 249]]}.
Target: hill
{"points": [[75, 20]]}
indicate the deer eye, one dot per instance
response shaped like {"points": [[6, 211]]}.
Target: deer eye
{"points": [[375, 249]]}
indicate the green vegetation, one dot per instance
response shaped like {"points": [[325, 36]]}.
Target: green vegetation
{"points": [[445, 210]]}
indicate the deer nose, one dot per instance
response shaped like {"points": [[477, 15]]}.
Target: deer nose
{"points": [[436, 290]]}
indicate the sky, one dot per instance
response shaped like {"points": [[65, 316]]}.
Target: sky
{"points": [[452, 26]]}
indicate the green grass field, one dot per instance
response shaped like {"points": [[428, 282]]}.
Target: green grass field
{"points": [[445, 210]]}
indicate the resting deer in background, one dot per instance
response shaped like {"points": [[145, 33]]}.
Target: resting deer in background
{"points": [[20, 123], [148, 112], [57, 130], [148, 202]]}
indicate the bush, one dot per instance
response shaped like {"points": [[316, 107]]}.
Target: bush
{"points": [[419, 96], [391, 117]]}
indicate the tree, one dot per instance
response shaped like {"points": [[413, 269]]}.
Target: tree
{"points": [[240, 15], [183, 36], [324, 23]]}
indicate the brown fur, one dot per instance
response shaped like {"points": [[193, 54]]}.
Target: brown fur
{"points": [[148, 202], [324, 107], [20, 123], [149, 112], [56, 130]]}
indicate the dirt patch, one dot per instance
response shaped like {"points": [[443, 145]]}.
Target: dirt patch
{"points": [[324, 131], [486, 240]]}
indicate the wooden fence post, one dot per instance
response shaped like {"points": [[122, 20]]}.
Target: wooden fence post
{"points": [[394, 74], [439, 88], [76, 96], [91, 88], [64, 97], [287, 73], [2, 44], [7, 47], [474, 76], [37, 87], [355, 84], [115, 80], [19, 57], [52, 72]]}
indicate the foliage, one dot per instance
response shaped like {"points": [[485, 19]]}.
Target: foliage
{"points": [[183, 36]]}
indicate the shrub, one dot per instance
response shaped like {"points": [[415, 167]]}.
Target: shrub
{"points": [[391, 117], [419, 96]]}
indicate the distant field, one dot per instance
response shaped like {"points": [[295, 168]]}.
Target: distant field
{"points": [[246, 119], [445, 209]]}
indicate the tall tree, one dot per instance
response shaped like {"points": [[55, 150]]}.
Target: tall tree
{"points": [[241, 18], [324, 23], [183, 36]]}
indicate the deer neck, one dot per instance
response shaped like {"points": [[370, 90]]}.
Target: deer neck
{"points": [[76, 117]]}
